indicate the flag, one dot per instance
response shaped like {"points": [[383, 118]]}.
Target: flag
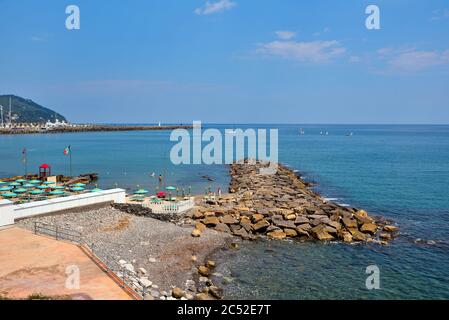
{"points": [[67, 151]]}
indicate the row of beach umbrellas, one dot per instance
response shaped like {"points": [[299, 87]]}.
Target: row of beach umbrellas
{"points": [[37, 187]]}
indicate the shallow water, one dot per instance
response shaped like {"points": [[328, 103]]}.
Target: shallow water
{"points": [[400, 172]]}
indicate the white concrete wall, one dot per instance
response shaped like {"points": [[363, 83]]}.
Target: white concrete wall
{"points": [[57, 204], [6, 213]]}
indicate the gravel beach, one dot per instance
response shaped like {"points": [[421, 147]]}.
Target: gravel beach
{"points": [[159, 251]]}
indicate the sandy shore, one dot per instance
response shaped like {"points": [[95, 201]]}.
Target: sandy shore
{"points": [[164, 250]]}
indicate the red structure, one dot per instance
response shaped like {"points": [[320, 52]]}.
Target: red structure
{"points": [[44, 170]]}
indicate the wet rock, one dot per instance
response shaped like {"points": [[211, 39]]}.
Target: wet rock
{"points": [[277, 234], [291, 233], [390, 228]]}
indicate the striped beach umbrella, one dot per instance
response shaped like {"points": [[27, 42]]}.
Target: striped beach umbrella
{"points": [[28, 185], [20, 190], [21, 180], [6, 188], [58, 187], [49, 182], [42, 187], [35, 181], [14, 184]]}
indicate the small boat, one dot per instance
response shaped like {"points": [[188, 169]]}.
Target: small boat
{"points": [[349, 134], [302, 132]]}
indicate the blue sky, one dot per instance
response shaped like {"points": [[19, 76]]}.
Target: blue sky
{"points": [[230, 61]]}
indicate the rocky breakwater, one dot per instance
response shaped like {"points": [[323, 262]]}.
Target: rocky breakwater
{"points": [[281, 206]]}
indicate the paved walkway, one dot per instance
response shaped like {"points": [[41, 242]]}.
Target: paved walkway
{"points": [[36, 264]]}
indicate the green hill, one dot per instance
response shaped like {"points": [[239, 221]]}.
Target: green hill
{"points": [[26, 110]]}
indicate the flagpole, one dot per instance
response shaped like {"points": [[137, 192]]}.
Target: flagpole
{"points": [[70, 154]]}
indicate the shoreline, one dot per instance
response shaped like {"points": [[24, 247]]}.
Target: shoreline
{"points": [[89, 128], [284, 206]]}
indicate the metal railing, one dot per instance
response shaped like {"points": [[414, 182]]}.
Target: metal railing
{"points": [[57, 232]]}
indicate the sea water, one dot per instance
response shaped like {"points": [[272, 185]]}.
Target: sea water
{"points": [[400, 172]]}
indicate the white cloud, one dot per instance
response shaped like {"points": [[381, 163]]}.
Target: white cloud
{"points": [[440, 14], [314, 51], [285, 35], [215, 7], [412, 60]]}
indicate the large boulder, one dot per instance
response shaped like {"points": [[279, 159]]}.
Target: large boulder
{"points": [[211, 221], [283, 223], [228, 219], [261, 225], [350, 223], [301, 220], [369, 228], [290, 233], [277, 234], [221, 227]]}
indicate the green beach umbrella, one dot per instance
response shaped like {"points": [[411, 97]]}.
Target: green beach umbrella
{"points": [[56, 193], [170, 188], [141, 191], [2, 183], [6, 188], [20, 190], [79, 185], [156, 200], [96, 190], [35, 181], [42, 187], [48, 182], [15, 184], [28, 185], [21, 180], [36, 192], [58, 188], [77, 189], [9, 195]]}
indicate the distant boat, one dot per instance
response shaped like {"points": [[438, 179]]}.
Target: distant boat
{"points": [[159, 124], [349, 134], [302, 132]]}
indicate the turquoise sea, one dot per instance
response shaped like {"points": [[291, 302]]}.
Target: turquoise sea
{"points": [[400, 172]]}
